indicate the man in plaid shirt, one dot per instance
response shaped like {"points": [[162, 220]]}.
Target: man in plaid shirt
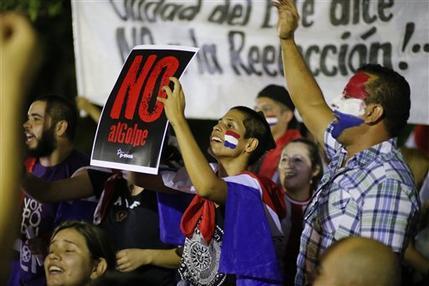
{"points": [[367, 189]]}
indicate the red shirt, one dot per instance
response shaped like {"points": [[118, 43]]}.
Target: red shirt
{"points": [[270, 161]]}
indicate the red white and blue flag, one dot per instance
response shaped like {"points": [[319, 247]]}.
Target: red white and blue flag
{"points": [[256, 224]]}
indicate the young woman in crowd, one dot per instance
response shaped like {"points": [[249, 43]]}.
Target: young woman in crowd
{"points": [[78, 253], [300, 169]]}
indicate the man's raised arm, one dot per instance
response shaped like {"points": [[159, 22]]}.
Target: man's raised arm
{"points": [[303, 88]]}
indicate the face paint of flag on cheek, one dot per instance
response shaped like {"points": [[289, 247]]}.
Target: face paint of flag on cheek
{"points": [[231, 139], [344, 121], [350, 105]]}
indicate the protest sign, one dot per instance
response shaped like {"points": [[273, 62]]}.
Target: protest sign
{"points": [[133, 126], [240, 51]]}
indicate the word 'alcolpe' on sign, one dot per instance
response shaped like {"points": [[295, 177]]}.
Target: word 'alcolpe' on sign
{"points": [[122, 133]]}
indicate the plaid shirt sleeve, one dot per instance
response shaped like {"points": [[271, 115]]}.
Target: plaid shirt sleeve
{"points": [[388, 212]]}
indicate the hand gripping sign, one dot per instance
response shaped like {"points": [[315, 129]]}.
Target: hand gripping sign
{"points": [[132, 127]]}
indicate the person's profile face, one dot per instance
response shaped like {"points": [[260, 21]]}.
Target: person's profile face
{"points": [[227, 137], [38, 130], [272, 110], [295, 167], [350, 107], [277, 115], [68, 261]]}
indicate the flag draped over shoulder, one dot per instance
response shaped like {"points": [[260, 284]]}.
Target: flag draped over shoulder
{"points": [[247, 247], [170, 210]]}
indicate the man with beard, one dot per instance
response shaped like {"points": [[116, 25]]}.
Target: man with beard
{"points": [[49, 131]]}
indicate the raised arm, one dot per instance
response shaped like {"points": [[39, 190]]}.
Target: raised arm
{"points": [[205, 181], [18, 57], [77, 187], [84, 104], [303, 88]]}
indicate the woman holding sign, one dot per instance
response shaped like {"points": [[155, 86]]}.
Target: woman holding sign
{"points": [[233, 223]]}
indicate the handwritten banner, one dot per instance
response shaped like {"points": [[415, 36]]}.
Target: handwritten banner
{"points": [[239, 49]]}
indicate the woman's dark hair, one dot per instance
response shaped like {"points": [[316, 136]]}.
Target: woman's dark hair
{"points": [[316, 160], [257, 127], [97, 241]]}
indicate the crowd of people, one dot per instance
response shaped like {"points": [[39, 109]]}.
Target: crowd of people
{"points": [[337, 205]]}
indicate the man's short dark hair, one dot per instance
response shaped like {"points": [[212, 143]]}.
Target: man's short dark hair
{"points": [[257, 127], [392, 92], [60, 108]]}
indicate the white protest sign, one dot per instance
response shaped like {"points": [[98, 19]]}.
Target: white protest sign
{"points": [[239, 49]]}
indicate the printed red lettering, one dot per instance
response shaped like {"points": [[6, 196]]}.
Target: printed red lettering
{"points": [[168, 66], [131, 87], [124, 134], [120, 133]]}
